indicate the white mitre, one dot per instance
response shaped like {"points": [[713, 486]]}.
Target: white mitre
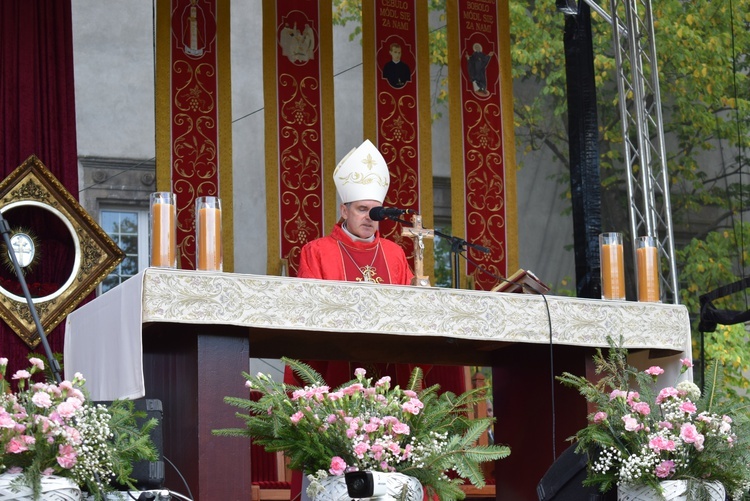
{"points": [[362, 175]]}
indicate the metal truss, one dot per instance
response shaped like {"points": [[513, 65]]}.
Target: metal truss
{"points": [[643, 132]]}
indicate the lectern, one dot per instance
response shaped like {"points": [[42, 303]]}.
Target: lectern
{"points": [[185, 337]]}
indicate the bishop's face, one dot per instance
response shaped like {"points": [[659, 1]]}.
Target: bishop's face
{"points": [[357, 216]]}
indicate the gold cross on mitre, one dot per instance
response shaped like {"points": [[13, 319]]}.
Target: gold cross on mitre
{"points": [[418, 233]]}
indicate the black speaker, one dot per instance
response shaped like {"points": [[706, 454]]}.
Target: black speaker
{"points": [[148, 474], [563, 481]]}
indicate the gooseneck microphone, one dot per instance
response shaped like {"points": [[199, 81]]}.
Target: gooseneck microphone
{"points": [[380, 213]]}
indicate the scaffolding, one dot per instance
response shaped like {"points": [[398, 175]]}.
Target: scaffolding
{"points": [[650, 211]]}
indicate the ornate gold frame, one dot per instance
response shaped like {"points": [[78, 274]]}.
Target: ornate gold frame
{"points": [[96, 255]]}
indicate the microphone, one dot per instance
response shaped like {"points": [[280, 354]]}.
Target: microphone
{"points": [[380, 213]]}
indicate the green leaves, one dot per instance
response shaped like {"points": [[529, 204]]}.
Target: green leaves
{"points": [[415, 431]]}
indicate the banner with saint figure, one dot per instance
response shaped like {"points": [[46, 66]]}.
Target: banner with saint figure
{"points": [[194, 116], [396, 108], [300, 141], [483, 182]]}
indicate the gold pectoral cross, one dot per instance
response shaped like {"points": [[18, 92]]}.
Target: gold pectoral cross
{"points": [[418, 233], [368, 275]]}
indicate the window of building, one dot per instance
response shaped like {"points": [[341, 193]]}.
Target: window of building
{"points": [[129, 230]]}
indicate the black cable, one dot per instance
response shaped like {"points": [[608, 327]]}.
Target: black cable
{"points": [[190, 494], [551, 345]]}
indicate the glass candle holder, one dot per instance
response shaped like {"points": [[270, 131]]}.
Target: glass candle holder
{"points": [[208, 234], [163, 216], [612, 265], [647, 262]]}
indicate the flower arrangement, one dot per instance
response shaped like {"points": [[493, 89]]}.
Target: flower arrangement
{"points": [[640, 434], [369, 426], [52, 429]]}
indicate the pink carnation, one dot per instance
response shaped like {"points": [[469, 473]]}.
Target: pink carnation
{"points": [[42, 400], [37, 362], [666, 393], [412, 406], [665, 469], [686, 363], [66, 456], [641, 408], [338, 466], [22, 374], [631, 423], [654, 370], [66, 409], [660, 443], [600, 417], [16, 446], [689, 434], [617, 394], [688, 407], [401, 429], [297, 417], [360, 448]]}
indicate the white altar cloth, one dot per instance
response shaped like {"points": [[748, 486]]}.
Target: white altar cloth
{"points": [[104, 337]]}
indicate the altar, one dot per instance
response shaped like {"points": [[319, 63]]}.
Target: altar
{"points": [[185, 337]]}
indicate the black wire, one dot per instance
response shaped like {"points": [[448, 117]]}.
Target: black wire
{"points": [[190, 494], [551, 345]]}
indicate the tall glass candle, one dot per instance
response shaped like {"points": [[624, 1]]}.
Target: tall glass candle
{"points": [[208, 234], [163, 213], [647, 261], [612, 265]]}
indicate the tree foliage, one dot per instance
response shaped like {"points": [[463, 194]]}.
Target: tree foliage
{"points": [[702, 57], [719, 259]]}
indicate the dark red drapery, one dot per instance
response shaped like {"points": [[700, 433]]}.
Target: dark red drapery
{"points": [[37, 111]]}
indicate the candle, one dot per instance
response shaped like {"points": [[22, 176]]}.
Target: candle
{"points": [[163, 230], [612, 266], [208, 212], [647, 260]]}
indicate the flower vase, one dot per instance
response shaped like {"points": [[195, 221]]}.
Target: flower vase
{"points": [[333, 488], [54, 488], [672, 490]]}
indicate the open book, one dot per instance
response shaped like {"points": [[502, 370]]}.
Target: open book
{"points": [[522, 281]]}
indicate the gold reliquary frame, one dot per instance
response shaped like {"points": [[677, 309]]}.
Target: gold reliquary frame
{"points": [[66, 252]]}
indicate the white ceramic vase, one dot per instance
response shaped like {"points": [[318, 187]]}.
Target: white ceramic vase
{"points": [[672, 490], [53, 489], [334, 489]]}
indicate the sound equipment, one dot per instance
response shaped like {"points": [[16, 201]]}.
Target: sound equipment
{"points": [[563, 481], [149, 474]]}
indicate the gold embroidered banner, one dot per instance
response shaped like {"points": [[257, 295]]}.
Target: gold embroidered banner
{"points": [[193, 115], [397, 116], [300, 141], [483, 182]]}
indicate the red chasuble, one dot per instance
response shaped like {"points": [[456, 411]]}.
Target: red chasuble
{"points": [[337, 257]]}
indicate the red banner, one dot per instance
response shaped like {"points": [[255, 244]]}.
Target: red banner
{"points": [[192, 107], [396, 83], [295, 93], [486, 178]]}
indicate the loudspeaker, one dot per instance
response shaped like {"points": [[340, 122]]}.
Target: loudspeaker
{"points": [[563, 481], [148, 474]]}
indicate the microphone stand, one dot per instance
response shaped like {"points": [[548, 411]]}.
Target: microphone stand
{"points": [[458, 245], [53, 364]]}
